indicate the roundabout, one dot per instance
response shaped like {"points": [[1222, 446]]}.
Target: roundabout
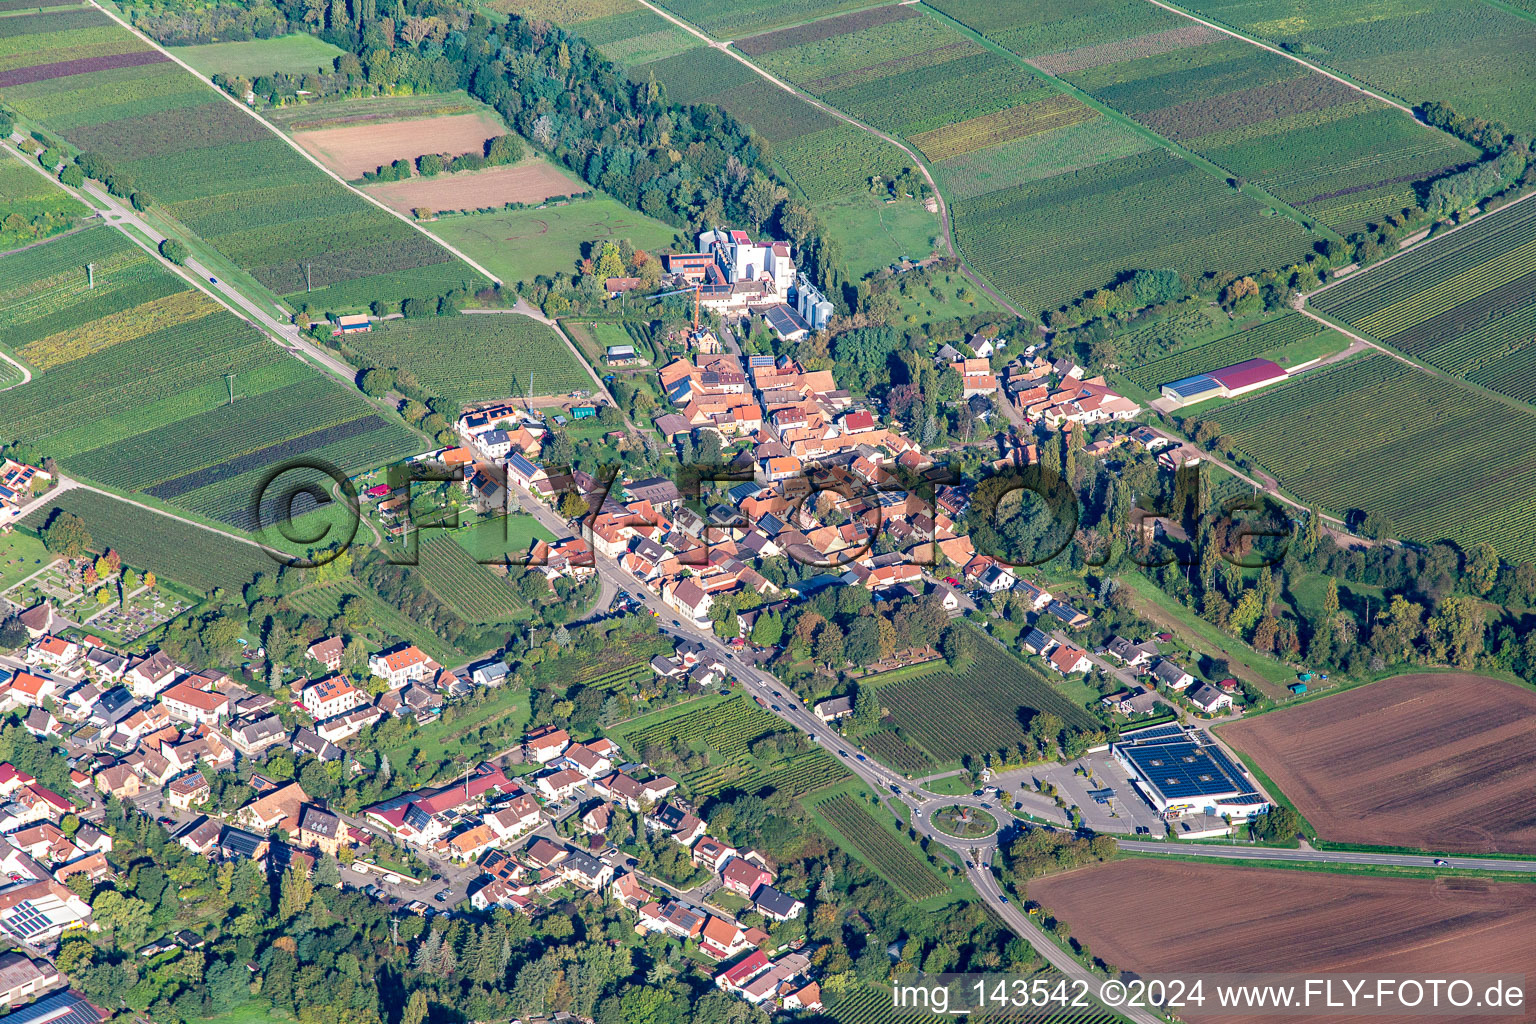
{"points": [[963, 822]]}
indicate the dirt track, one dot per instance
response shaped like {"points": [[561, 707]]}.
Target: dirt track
{"points": [[531, 182], [1443, 762], [351, 150], [1156, 916]]}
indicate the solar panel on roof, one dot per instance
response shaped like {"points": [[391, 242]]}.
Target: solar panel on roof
{"points": [[1198, 384], [1182, 769]]}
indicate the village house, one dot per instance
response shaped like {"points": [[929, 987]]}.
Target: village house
{"points": [[1069, 660], [331, 697], [544, 744], [402, 666], [327, 652], [1209, 699], [195, 706], [52, 652], [187, 790], [742, 876], [721, 939], [1171, 675], [321, 830]]}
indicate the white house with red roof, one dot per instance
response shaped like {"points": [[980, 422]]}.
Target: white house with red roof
{"points": [[196, 706], [331, 697], [544, 744], [1068, 660], [405, 665], [560, 785], [53, 651], [734, 978], [27, 690]]}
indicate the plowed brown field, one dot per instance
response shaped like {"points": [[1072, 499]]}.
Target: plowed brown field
{"points": [[353, 149], [1277, 920], [1434, 762], [532, 181]]}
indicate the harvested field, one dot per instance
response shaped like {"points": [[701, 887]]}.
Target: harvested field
{"points": [[530, 182], [1292, 921], [1439, 762], [354, 149]]}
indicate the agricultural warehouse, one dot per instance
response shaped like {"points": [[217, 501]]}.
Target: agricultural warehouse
{"points": [[1227, 382], [1183, 773]]}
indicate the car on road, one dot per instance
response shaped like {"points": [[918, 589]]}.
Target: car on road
{"points": [[1442, 863], [863, 758], [775, 707], [986, 806], [1002, 899], [776, 693], [842, 753], [213, 280]]}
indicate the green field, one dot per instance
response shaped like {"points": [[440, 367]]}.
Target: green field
{"points": [[471, 589], [1435, 458], [890, 856], [501, 537], [877, 234], [1047, 241], [172, 549], [726, 19], [724, 730], [300, 117], [1476, 57], [945, 294], [136, 376], [475, 356], [21, 555], [985, 707], [296, 53], [1464, 302], [224, 176], [30, 208], [519, 245]]}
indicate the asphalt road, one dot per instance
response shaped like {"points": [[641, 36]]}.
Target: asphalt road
{"points": [[1307, 855]]}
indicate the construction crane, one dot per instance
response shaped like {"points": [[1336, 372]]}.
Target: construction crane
{"points": [[680, 291]]}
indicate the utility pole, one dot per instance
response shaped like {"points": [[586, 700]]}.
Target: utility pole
{"points": [[229, 383], [90, 275]]}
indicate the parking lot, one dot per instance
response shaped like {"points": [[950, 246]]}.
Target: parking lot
{"points": [[1121, 813]]}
